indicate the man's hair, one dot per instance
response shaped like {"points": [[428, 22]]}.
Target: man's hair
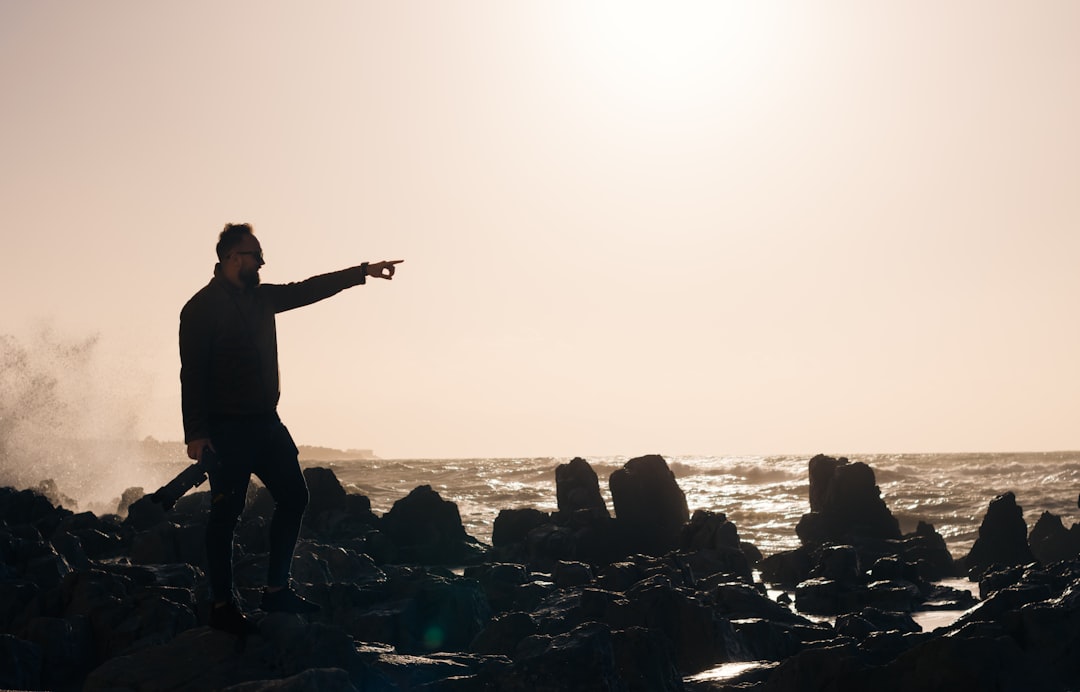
{"points": [[231, 237]]}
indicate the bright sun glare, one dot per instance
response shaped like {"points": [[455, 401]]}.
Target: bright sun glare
{"points": [[671, 55]]}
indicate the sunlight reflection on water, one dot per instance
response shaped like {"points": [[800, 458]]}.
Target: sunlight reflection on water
{"points": [[726, 671]]}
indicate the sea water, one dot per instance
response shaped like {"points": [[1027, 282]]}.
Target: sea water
{"points": [[763, 495]]}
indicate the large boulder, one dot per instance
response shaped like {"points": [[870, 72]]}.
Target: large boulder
{"points": [[1050, 541], [577, 487], [428, 529], [845, 505], [1002, 537], [649, 504]]}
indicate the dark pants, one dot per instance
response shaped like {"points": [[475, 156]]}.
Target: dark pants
{"points": [[246, 445]]}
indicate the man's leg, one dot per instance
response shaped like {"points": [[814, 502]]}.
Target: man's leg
{"points": [[279, 469], [229, 478], [228, 492]]}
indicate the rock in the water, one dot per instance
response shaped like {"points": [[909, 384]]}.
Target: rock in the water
{"points": [[428, 529], [1050, 541], [649, 503], [577, 487], [1002, 537], [845, 505]]}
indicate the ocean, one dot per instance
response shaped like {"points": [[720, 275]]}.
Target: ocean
{"points": [[763, 495]]}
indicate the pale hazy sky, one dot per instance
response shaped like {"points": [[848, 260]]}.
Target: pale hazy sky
{"points": [[684, 228]]}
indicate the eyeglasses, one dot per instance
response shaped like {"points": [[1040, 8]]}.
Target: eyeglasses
{"points": [[255, 255]]}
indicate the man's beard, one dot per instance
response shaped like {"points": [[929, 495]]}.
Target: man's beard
{"points": [[250, 279]]}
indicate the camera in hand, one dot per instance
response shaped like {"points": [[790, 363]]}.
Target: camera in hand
{"points": [[189, 478]]}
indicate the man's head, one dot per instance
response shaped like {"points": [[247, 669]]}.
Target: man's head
{"points": [[240, 255]]}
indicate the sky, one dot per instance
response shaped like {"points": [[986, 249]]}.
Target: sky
{"points": [[675, 227]]}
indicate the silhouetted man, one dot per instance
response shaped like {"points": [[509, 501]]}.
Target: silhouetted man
{"points": [[229, 388]]}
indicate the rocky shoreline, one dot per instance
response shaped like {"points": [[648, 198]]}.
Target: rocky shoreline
{"points": [[645, 598]]}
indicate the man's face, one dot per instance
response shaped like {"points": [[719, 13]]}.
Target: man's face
{"points": [[249, 254]]}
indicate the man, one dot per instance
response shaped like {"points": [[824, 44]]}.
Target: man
{"points": [[229, 391]]}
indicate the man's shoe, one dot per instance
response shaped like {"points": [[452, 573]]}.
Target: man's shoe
{"points": [[227, 617], [287, 601]]}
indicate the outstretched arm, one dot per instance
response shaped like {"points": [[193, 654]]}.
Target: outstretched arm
{"points": [[288, 296]]}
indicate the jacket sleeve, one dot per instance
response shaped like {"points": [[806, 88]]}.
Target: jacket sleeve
{"points": [[284, 297], [195, 347]]}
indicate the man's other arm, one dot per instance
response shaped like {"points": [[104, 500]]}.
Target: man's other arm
{"points": [[195, 340]]}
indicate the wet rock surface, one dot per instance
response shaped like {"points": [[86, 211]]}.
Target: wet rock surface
{"points": [[574, 600]]}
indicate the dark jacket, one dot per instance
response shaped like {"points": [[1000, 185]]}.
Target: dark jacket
{"points": [[228, 345]]}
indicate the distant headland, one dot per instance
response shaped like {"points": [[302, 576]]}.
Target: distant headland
{"points": [[309, 453], [161, 449]]}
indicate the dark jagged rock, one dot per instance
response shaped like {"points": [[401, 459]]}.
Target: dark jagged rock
{"points": [[1050, 541], [144, 513], [845, 505], [865, 622], [577, 487], [620, 576], [589, 658], [415, 611], [700, 635], [787, 568], [822, 596], [430, 673], [740, 601], [838, 563], [649, 504], [570, 574], [712, 561], [500, 582], [428, 529], [777, 640], [325, 493], [503, 634], [708, 529], [168, 543], [1002, 537], [926, 550], [28, 507], [512, 526]]}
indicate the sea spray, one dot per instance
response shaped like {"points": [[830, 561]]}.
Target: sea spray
{"points": [[67, 420]]}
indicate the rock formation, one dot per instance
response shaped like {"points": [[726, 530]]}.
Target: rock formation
{"points": [[77, 612], [1002, 537], [650, 506]]}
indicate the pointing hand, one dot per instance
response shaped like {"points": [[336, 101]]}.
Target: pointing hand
{"points": [[382, 270]]}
